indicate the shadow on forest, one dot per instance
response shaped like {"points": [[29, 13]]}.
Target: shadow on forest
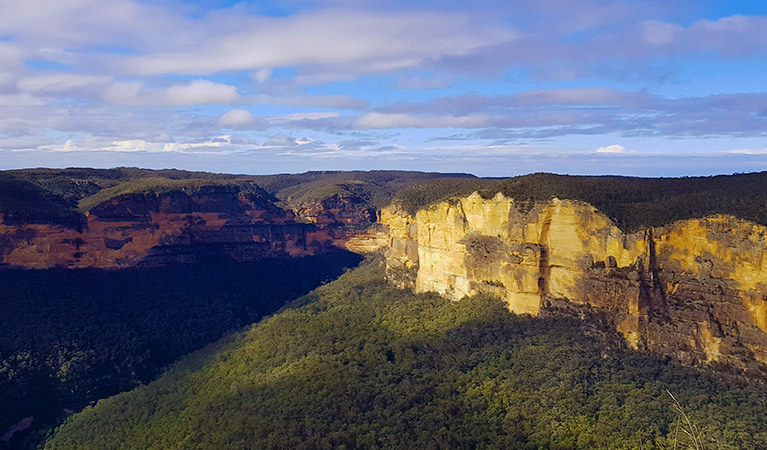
{"points": [[70, 337]]}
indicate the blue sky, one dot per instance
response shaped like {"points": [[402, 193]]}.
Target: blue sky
{"points": [[495, 88]]}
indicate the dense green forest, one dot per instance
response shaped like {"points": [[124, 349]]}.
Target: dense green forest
{"points": [[633, 203], [70, 337], [359, 364], [429, 192]]}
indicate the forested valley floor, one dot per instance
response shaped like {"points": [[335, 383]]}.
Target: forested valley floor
{"points": [[71, 337], [359, 364]]}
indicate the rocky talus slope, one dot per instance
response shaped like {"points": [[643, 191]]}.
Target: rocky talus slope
{"points": [[694, 290]]}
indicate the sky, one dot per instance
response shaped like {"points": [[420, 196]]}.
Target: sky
{"points": [[490, 87]]}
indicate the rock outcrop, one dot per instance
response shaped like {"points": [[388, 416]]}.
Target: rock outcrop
{"points": [[695, 290], [347, 211], [176, 226]]}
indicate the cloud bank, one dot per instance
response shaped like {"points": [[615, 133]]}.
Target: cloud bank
{"points": [[412, 85]]}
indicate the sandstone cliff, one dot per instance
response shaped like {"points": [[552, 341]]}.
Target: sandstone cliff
{"points": [[695, 290], [176, 226], [345, 215]]}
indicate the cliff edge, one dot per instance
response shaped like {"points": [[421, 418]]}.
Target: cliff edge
{"points": [[150, 228], [694, 290]]}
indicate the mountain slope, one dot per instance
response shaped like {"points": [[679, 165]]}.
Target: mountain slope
{"points": [[71, 337], [359, 364]]}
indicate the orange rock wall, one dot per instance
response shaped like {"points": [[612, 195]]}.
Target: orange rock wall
{"points": [[695, 290], [147, 228]]}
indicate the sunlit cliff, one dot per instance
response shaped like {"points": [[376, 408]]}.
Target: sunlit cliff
{"points": [[695, 290]]}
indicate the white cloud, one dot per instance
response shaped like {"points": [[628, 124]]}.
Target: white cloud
{"points": [[748, 151], [68, 146], [285, 144], [7, 82], [421, 83], [60, 82], [124, 93], [338, 101], [385, 120], [350, 42], [20, 100], [614, 148], [10, 55], [661, 33], [573, 96], [59, 55], [732, 35], [48, 24], [25, 143], [68, 68], [210, 145], [307, 116], [262, 75], [236, 118], [133, 145], [199, 92], [280, 140], [196, 92], [215, 145], [284, 119]]}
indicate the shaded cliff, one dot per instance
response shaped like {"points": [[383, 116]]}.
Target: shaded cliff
{"points": [[695, 290], [162, 227], [121, 217]]}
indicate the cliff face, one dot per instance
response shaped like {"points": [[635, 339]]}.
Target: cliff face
{"points": [[695, 290], [348, 212], [161, 228]]}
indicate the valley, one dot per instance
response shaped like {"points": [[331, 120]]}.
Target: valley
{"points": [[360, 364], [311, 225], [111, 276]]}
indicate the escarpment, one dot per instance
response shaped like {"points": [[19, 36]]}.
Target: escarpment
{"points": [[345, 211], [695, 290], [159, 228]]}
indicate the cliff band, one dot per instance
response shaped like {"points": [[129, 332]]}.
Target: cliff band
{"points": [[695, 290], [176, 226]]}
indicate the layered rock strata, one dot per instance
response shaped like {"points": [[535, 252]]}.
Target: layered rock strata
{"points": [[176, 226], [349, 212], [695, 290]]}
